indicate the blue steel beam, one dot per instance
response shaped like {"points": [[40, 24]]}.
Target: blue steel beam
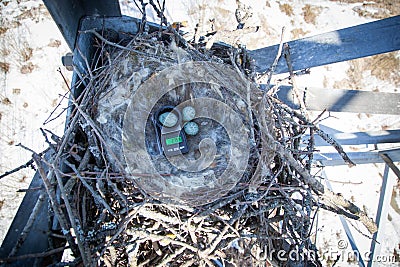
{"points": [[385, 197], [363, 40], [340, 100], [360, 138], [334, 159]]}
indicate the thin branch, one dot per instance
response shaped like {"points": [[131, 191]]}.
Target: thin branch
{"points": [[34, 255], [92, 191], [29, 224], [52, 195], [159, 12], [271, 70], [28, 164], [296, 91], [339, 200], [84, 251], [126, 48]]}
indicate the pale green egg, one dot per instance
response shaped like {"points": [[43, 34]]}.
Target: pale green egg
{"points": [[188, 113], [191, 128], [168, 119]]}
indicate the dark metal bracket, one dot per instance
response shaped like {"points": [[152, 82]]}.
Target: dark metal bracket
{"points": [[68, 13]]}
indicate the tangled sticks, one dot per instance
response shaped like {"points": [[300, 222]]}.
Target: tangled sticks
{"points": [[116, 210]]}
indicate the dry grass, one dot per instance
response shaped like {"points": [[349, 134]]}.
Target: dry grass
{"points": [[35, 13], [298, 33], [6, 101], [17, 52], [27, 68], [4, 51], [354, 76], [287, 9], [3, 30], [5, 67], [54, 43], [310, 13], [25, 52], [385, 8], [384, 67]]}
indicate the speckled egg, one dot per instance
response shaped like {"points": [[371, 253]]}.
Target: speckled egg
{"points": [[168, 119], [191, 128], [188, 113]]}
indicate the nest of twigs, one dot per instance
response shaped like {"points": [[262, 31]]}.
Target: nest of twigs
{"points": [[110, 219]]}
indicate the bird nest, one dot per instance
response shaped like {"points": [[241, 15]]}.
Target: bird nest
{"points": [[236, 199]]}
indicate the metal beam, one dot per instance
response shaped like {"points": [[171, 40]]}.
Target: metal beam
{"points": [[334, 159], [382, 213], [37, 239], [345, 226], [120, 26], [339, 100], [68, 13], [360, 138], [359, 41], [390, 164]]}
